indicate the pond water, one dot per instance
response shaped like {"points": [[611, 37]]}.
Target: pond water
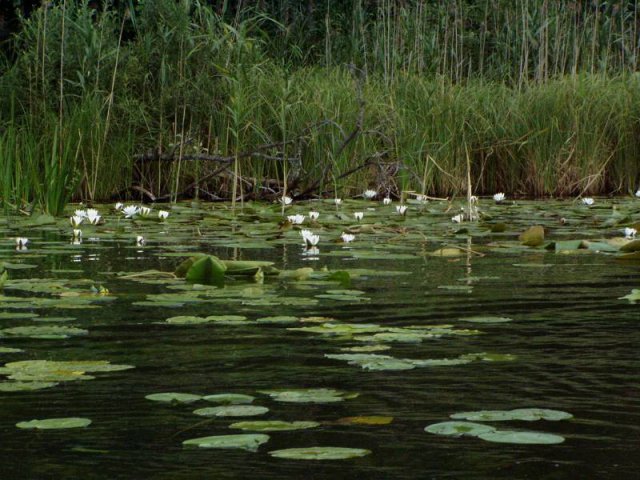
{"points": [[522, 327]]}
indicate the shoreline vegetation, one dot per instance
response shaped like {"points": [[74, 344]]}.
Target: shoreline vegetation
{"points": [[165, 100]]}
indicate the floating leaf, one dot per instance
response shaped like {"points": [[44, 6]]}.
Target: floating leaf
{"points": [[486, 319], [309, 395], [459, 429], [229, 398], [633, 297], [249, 442], [525, 438], [44, 331], [365, 420], [320, 453], [25, 386], [173, 397], [55, 423], [232, 411], [532, 237], [208, 270], [448, 252], [526, 414], [273, 425]]}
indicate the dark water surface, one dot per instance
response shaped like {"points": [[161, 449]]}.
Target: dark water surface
{"points": [[576, 346]]}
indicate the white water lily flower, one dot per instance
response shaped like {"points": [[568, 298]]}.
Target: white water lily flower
{"points": [[347, 237], [80, 213], [296, 219], [286, 200], [144, 211], [458, 218], [499, 197], [369, 194], [76, 220], [77, 233], [163, 214], [401, 209], [386, 201], [118, 206], [422, 198], [630, 232], [587, 201], [638, 193], [313, 216], [337, 201], [21, 243], [93, 216], [130, 211], [358, 215], [140, 240], [309, 238]]}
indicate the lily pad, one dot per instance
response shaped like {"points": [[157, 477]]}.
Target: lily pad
{"points": [[273, 425], [55, 423], [232, 411], [249, 442], [309, 395], [44, 331], [173, 397], [526, 414], [524, 438], [459, 429], [320, 453], [533, 236], [229, 398], [486, 319], [365, 420]]}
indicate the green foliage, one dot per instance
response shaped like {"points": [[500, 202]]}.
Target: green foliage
{"points": [[179, 98]]}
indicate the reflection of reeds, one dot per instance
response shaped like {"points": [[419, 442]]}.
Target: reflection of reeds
{"points": [[539, 97]]}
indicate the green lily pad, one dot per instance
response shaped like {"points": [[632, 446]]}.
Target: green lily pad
{"points": [[309, 395], [278, 319], [273, 425], [208, 270], [55, 423], [229, 398], [633, 296], [10, 350], [25, 386], [173, 397], [486, 319], [524, 438], [526, 414], [44, 331], [249, 442], [232, 411], [532, 237], [459, 429], [320, 453]]}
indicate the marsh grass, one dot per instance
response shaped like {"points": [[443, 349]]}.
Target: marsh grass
{"points": [[538, 106]]}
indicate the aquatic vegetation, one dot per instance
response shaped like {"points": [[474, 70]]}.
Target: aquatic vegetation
{"points": [[499, 197], [273, 425], [369, 194], [358, 215], [76, 220], [54, 423], [588, 201], [309, 395], [173, 397], [232, 411], [313, 215], [297, 219], [320, 453], [130, 211], [401, 209], [347, 237], [21, 243], [163, 214], [250, 442], [386, 201]]}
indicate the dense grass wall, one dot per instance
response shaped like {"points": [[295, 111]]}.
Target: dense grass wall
{"points": [[175, 98]]}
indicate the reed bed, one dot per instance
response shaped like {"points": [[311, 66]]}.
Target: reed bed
{"points": [[177, 100]]}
